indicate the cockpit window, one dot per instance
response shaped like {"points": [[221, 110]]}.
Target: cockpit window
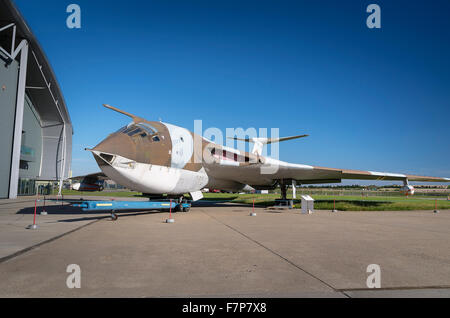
{"points": [[143, 129], [150, 130], [134, 132], [129, 129], [122, 129]]}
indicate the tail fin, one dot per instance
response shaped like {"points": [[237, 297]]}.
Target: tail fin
{"points": [[260, 142]]}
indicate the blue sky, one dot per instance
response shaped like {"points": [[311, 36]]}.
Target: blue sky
{"points": [[376, 99]]}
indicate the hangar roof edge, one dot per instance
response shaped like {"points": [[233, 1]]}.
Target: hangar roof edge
{"points": [[24, 31]]}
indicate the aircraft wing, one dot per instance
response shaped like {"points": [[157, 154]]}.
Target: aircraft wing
{"points": [[90, 182], [312, 174], [272, 170], [92, 176]]}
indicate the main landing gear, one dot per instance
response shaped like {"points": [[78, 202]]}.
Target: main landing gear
{"points": [[283, 202]]}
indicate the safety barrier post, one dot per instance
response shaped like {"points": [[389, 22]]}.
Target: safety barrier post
{"points": [[334, 206], [170, 219], [253, 209], [43, 212], [435, 206], [33, 226]]}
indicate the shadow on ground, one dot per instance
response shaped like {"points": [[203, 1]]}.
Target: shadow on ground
{"points": [[222, 203], [69, 210], [361, 203]]}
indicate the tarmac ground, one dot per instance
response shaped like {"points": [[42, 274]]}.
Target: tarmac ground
{"points": [[219, 250]]}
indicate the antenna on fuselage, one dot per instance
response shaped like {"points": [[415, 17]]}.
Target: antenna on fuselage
{"points": [[136, 119]]}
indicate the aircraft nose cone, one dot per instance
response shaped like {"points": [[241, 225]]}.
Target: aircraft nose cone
{"points": [[115, 144]]}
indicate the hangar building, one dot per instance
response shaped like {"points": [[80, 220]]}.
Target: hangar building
{"points": [[35, 126]]}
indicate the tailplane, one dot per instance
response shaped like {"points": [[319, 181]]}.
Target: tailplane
{"points": [[260, 142]]}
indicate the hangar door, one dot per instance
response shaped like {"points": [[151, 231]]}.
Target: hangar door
{"points": [[8, 92]]}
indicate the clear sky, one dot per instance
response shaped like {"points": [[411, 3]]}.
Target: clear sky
{"points": [[371, 99]]}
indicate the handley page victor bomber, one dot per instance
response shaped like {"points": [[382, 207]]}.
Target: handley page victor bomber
{"points": [[157, 158]]}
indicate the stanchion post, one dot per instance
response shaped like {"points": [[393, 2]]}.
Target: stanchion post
{"points": [[43, 212], [33, 226], [35, 207], [170, 220], [253, 209], [435, 206]]}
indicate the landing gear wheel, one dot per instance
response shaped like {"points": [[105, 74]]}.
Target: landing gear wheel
{"points": [[179, 206], [113, 216], [186, 209]]}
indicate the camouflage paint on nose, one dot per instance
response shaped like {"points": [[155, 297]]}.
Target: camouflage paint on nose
{"points": [[144, 142], [117, 144]]}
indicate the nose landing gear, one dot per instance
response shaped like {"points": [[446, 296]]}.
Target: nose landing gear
{"points": [[185, 205], [182, 204], [186, 208]]}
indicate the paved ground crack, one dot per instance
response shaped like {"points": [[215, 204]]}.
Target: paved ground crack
{"points": [[275, 253], [7, 258]]}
